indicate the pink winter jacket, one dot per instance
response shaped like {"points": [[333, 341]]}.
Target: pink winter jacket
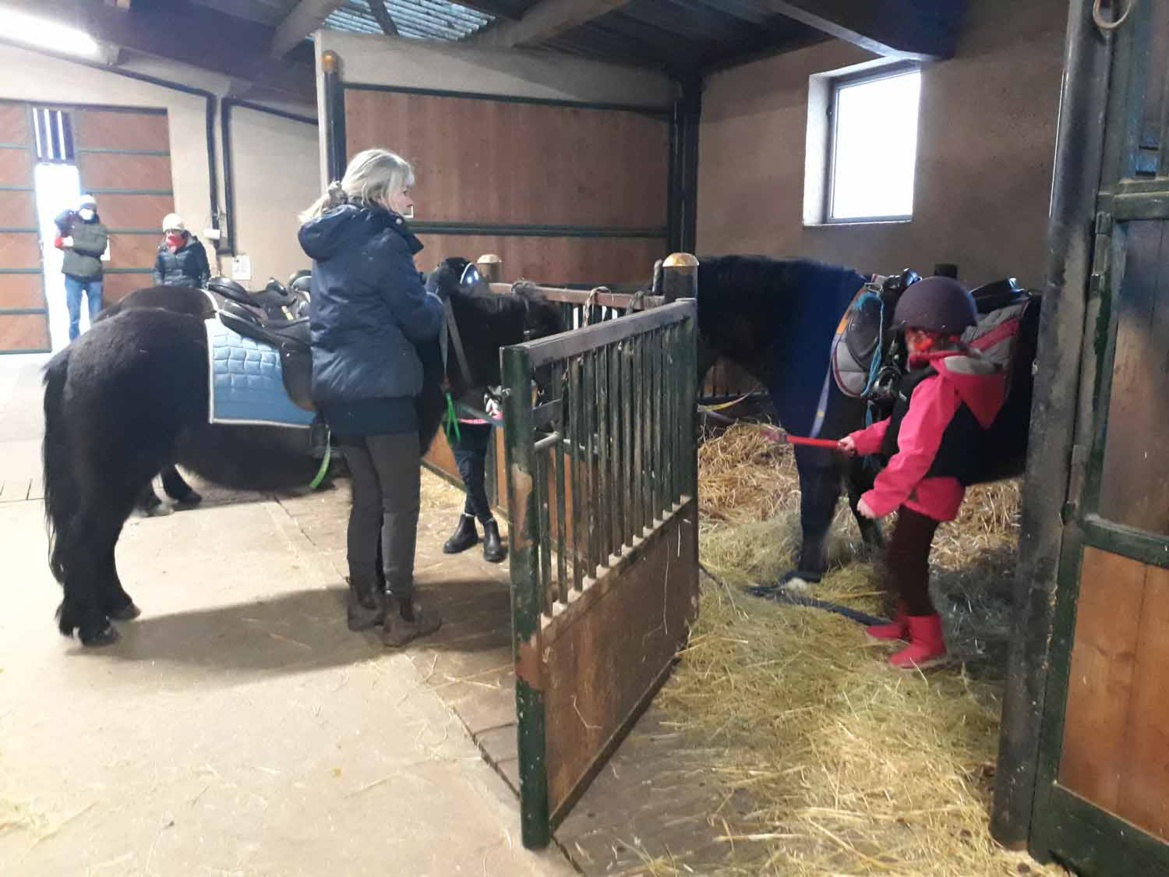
{"points": [[932, 406]]}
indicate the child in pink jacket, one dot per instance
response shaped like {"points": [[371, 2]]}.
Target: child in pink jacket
{"points": [[950, 396]]}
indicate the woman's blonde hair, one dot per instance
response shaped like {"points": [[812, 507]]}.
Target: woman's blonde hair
{"points": [[372, 176]]}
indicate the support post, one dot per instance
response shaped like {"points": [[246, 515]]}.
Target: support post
{"points": [[335, 146], [679, 276], [490, 267]]}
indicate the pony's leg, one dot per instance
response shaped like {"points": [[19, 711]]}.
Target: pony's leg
{"points": [[859, 478], [116, 603], [94, 535], [820, 486], [177, 488]]}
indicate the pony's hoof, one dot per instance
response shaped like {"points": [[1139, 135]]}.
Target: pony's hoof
{"points": [[798, 580], [156, 511], [127, 613], [107, 636], [189, 501]]}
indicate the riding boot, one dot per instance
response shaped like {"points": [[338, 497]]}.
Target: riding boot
{"points": [[366, 607], [464, 537], [493, 550]]}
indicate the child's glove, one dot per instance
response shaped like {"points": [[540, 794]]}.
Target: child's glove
{"points": [[67, 241]]}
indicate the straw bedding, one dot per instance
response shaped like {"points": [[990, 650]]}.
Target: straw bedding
{"points": [[851, 768]]}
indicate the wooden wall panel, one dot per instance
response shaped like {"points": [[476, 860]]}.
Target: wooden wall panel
{"points": [[112, 129], [1144, 782], [103, 170], [20, 250], [553, 261], [1101, 676], [16, 169], [21, 291], [14, 125], [133, 250], [490, 161], [117, 286], [18, 209], [24, 332], [134, 211]]}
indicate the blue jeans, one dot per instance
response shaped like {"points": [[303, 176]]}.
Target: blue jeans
{"points": [[74, 286]]}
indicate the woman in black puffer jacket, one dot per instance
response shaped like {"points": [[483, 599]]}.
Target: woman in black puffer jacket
{"points": [[181, 259], [369, 311]]}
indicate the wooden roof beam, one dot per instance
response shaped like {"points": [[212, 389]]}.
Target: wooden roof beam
{"points": [[306, 17], [546, 20], [919, 30]]}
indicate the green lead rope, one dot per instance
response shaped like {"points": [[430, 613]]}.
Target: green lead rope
{"points": [[452, 420], [316, 482]]}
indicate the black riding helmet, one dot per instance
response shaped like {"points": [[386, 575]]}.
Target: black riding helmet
{"points": [[936, 304]]}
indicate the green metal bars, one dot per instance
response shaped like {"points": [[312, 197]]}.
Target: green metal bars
{"points": [[611, 456]]}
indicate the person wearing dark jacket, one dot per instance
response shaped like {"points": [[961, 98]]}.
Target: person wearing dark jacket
{"points": [[181, 259], [83, 239], [944, 405], [369, 309]]}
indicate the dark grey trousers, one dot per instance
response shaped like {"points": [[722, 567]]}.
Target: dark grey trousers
{"points": [[387, 479]]}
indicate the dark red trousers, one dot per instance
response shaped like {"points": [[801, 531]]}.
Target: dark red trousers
{"points": [[907, 561]]}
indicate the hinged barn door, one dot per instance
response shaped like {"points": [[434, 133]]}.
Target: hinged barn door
{"points": [[1102, 800], [24, 318]]}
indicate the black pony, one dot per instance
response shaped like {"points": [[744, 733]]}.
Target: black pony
{"points": [[776, 318], [130, 398]]}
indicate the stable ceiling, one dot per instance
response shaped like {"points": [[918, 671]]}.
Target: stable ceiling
{"points": [[263, 44]]}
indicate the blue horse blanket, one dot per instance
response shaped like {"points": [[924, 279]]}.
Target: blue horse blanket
{"points": [[247, 383]]}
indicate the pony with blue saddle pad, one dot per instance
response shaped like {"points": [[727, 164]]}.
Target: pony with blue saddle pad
{"points": [[786, 322], [134, 396]]}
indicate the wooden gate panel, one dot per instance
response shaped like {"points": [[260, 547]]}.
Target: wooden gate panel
{"points": [[16, 169], [20, 249], [623, 664], [130, 130], [117, 170], [24, 333], [18, 207]]}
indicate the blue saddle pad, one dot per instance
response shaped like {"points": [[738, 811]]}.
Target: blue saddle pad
{"points": [[247, 384]]}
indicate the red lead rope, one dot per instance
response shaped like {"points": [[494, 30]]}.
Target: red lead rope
{"points": [[778, 435]]}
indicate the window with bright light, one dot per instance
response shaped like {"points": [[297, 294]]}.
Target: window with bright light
{"points": [[873, 146]]}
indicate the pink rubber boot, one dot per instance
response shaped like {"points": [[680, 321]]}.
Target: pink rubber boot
{"points": [[897, 629], [926, 647]]}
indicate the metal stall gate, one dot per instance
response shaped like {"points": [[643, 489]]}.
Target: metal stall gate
{"points": [[602, 484]]}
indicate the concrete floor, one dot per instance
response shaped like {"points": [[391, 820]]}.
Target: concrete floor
{"points": [[239, 728]]}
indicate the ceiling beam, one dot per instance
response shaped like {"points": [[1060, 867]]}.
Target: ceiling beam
{"points": [[306, 17], [186, 33], [919, 30], [546, 20]]}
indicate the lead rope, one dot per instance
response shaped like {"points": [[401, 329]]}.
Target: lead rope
{"points": [[316, 482]]}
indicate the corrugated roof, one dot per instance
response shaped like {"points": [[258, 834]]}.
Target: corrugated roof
{"points": [[415, 19]]}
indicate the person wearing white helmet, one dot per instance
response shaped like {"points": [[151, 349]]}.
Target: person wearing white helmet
{"points": [[83, 239], [181, 259]]}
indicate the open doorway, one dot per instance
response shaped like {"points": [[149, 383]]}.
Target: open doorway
{"points": [[58, 187]]}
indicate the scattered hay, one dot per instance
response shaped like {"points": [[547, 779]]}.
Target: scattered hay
{"points": [[832, 763]]}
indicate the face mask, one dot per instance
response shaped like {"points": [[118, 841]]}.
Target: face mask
{"points": [[85, 213], [174, 239]]}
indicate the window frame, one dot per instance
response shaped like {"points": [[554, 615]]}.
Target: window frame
{"points": [[835, 85], [64, 140]]}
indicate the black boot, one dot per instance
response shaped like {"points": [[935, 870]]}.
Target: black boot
{"points": [[464, 537], [366, 607], [493, 550]]}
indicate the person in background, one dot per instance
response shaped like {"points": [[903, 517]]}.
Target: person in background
{"points": [[470, 450], [945, 402], [181, 259], [83, 238], [369, 309]]}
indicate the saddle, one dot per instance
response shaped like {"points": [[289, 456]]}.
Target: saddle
{"points": [[274, 300], [290, 338]]}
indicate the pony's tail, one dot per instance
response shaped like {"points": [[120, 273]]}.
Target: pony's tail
{"points": [[62, 497]]}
